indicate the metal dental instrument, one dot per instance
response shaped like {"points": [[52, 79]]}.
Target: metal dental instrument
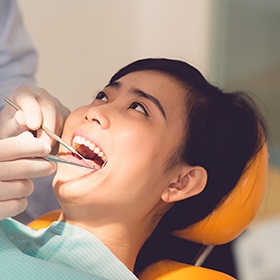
{"points": [[61, 160], [58, 139]]}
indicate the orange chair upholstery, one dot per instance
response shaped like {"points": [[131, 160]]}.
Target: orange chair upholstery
{"points": [[223, 225], [45, 220], [170, 270]]}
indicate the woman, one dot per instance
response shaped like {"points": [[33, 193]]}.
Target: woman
{"points": [[168, 147]]}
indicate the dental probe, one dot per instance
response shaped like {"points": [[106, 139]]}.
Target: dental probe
{"points": [[61, 160]]}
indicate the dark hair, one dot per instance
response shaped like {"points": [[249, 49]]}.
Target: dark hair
{"points": [[223, 131]]}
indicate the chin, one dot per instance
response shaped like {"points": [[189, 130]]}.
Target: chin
{"points": [[68, 173], [74, 191]]}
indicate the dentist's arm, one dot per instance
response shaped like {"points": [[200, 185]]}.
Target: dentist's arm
{"points": [[18, 57]]}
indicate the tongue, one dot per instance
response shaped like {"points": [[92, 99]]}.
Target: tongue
{"points": [[86, 152], [89, 154]]}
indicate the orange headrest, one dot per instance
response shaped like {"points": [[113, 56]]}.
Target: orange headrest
{"points": [[170, 270], [237, 210]]}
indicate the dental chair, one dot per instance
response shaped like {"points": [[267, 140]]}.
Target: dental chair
{"points": [[223, 225]]}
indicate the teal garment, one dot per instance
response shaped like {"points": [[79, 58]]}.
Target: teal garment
{"points": [[61, 251]]}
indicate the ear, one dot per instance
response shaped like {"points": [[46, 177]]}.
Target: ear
{"points": [[190, 182]]}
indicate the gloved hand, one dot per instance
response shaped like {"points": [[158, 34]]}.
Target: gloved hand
{"points": [[37, 107], [18, 161], [20, 150]]}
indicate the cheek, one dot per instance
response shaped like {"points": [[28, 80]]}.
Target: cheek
{"points": [[72, 122], [74, 117], [142, 152], [137, 140]]}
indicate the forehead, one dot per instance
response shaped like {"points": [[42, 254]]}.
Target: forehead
{"points": [[170, 93]]}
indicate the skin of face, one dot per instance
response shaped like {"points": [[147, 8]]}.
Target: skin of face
{"points": [[137, 142]]}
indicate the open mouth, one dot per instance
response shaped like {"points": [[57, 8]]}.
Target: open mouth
{"points": [[89, 151]]}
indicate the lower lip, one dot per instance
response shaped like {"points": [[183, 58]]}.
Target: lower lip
{"points": [[70, 173]]}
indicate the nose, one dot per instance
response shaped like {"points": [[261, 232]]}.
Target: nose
{"points": [[97, 116]]}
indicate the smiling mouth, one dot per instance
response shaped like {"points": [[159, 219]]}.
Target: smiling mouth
{"points": [[89, 151]]}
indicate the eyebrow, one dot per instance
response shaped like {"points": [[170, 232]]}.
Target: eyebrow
{"points": [[141, 93]]}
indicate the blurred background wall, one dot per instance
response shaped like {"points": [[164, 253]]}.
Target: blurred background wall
{"points": [[82, 43]]}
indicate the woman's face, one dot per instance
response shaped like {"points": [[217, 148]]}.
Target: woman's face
{"points": [[135, 125]]}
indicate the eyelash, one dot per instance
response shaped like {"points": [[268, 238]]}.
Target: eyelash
{"points": [[140, 105], [102, 94]]}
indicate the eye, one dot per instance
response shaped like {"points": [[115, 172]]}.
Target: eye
{"points": [[102, 96], [139, 107]]}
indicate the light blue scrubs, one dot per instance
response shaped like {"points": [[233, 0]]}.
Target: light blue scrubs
{"points": [[61, 251]]}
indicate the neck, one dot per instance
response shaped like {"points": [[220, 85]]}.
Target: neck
{"points": [[123, 240]]}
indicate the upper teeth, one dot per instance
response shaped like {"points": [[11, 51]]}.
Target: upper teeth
{"points": [[83, 141]]}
